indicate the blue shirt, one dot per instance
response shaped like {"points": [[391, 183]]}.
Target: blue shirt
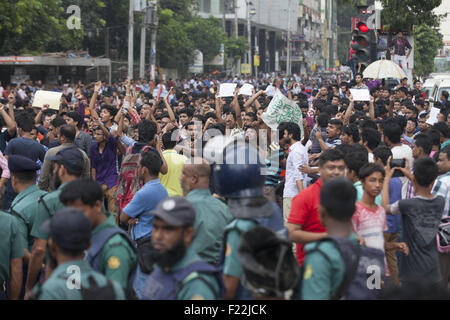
{"points": [[146, 199]]}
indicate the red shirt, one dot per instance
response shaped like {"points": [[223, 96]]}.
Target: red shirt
{"points": [[305, 212]]}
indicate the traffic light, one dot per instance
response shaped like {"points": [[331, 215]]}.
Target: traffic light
{"points": [[363, 46]]}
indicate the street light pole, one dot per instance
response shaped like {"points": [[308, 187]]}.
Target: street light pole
{"points": [[154, 27], [130, 40], [288, 60], [249, 31], [143, 37]]}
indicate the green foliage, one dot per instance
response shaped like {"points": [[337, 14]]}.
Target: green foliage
{"points": [[402, 14], [236, 48], [427, 43], [207, 35]]}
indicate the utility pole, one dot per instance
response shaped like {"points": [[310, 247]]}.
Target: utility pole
{"points": [[143, 38], [154, 28], [288, 60], [130, 40], [224, 20], [236, 35], [249, 31]]}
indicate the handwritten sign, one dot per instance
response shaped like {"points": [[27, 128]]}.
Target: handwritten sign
{"points": [[281, 109], [360, 94], [227, 89], [42, 97]]}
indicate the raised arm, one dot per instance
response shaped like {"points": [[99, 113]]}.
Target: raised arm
{"points": [[236, 108], [169, 108], [94, 114], [219, 109], [10, 123], [253, 99], [372, 108], [349, 111]]}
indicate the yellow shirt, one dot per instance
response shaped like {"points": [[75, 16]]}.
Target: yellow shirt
{"points": [[171, 180]]}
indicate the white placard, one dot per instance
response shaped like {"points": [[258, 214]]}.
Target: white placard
{"points": [[42, 97], [227, 90], [270, 91], [360, 94], [281, 109], [433, 118], [246, 90]]}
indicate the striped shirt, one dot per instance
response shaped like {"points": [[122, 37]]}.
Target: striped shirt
{"points": [[442, 188], [273, 165]]}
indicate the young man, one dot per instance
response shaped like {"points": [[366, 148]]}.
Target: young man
{"points": [[212, 215], [334, 131], [111, 252], [82, 139], [137, 212], [350, 134], [325, 267], [69, 167], [175, 163], [290, 135], [371, 139], [103, 155], [400, 46], [321, 126], [69, 233], [421, 217], [303, 224], [442, 188], [177, 264]]}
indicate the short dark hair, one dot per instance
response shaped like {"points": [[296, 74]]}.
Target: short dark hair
{"points": [[147, 130], [58, 122], [251, 114], [425, 171], [167, 141], [25, 177], [446, 151], [365, 124], [359, 74], [25, 122], [337, 123], [330, 155], [352, 130], [86, 190], [442, 127], [322, 119], [112, 111], [218, 126], [152, 162], [435, 136], [292, 128], [68, 131], [356, 160], [383, 153], [372, 137], [392, 131], [369, 169], [187, 111], [445, 94], [338, 197], [75, 116], [423, 141]]}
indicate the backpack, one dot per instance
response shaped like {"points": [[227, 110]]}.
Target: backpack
{"points": [[94, 257], [128, 183], [443, 236], [359, 267], [166, 286], [274, 222]]}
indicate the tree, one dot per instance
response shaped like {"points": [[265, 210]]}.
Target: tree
{"points": [[427, 43], [402, 14], [207, 35]]}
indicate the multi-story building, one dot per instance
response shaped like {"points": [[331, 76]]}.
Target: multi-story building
{"points": [[269, 22]]}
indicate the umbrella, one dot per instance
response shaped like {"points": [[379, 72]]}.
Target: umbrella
{"points": [[383, 69]]}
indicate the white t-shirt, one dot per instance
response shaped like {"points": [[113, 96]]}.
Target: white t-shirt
{"points": [[401, 152], [298, 156]]}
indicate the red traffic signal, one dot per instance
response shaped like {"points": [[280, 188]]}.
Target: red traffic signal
{"points": [[362, 27]]}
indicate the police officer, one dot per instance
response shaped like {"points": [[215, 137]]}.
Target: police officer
{"points": [[11, 257], [238, 178], [25, 204], [179, 274], [69, 167], [112, 252], [69, 234]]}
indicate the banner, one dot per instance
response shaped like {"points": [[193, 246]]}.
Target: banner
{"points": [[281, 109]]}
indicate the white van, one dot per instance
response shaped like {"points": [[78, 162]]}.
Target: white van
{"points": [[430, 87], [443, 86]]}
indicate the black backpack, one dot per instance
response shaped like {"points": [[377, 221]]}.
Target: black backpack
{"points": [[361, 267]]}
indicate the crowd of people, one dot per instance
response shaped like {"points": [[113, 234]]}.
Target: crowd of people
{"points": [[116, 192]]}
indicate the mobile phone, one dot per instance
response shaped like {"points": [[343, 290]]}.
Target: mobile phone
{"points": [[3, 101], [398, 163]]}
